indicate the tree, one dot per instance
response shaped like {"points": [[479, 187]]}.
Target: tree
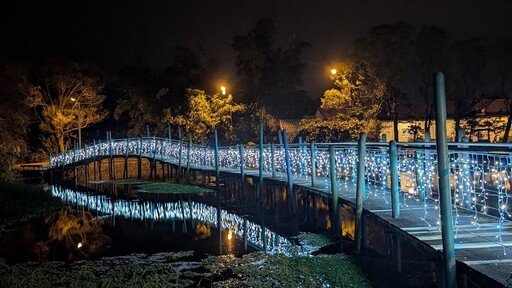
{"points": [[501, 67], [51, 91], [14, 119], [389, 50], [466, 87], [206, 113], [270, 76], [355, 101], [432, 48]]}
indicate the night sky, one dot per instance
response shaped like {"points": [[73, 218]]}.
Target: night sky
{"points": [[117, 33]]}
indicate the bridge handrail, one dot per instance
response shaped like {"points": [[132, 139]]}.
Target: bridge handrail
{"points": [[481, 173]]}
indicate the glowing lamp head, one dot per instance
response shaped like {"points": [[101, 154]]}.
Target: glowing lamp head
{"points": [[223, 89], [334, 71], [230, 234], [79, 245], [73, 99]]}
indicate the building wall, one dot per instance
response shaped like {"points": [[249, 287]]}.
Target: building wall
{"points": [[404, 136]]}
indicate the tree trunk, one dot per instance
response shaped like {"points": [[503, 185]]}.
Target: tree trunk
{"points": [[457, 127], [395, 127], [507, 128], [60, 141]]}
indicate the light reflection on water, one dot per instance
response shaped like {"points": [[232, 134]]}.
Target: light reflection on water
{"points": [[182, 210]]}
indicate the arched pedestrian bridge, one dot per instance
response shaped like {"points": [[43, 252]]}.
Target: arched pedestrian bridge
{"points": [[480, 182]]}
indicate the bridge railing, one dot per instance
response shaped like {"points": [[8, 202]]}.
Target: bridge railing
{"points": [[480, 174]]}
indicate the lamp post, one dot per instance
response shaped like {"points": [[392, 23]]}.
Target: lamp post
{"points": [[79, 124]]}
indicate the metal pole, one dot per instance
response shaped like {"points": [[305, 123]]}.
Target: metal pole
{"points": [[313, 164], [395, 189], [288, 170], [260, 163], [360, 193], [273, 159], [217, 173], [445, 196], [79, 127], [334, 191]]}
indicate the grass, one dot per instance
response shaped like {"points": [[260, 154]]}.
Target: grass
{"points": [[160, 187], [171, 188], [172, 270]]}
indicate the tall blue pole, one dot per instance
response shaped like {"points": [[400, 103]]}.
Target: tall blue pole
{"points": [[445, 196], [393, 170], [360, 192], [334, 191]]}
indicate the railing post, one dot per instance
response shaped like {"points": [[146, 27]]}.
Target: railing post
{"points": [[216, 155], [242, 172], [273, 159], [260, 163], [361, 192], [189, 151], [178, 173], [395, 189], [139, 161], [334, 191], [445, 196], [313, 163], [384, 155], [111, 166], [288, 170]]}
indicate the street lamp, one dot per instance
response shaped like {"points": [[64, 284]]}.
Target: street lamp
{"points": [[334, 71], [223, 90], [79, 124]]}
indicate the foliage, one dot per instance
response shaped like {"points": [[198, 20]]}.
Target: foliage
{"points": [[206, 113], [355, 102], [264, 270], [14, 119], [51, 89], [270, 76], [19, 201], [171, 188], [127, 271], [76, 231], [313, 241], [140, 112], [415, 130]]}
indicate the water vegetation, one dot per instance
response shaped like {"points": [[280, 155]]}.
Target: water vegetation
{"points": [[171, 188], [257, 269], [159, 187]]}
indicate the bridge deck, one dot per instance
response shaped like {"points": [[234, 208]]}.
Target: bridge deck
{"points": [[477, 236]]}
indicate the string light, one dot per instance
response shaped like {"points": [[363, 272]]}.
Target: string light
{"points": [[480, 180]]}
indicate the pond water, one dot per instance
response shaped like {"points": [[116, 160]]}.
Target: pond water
{"points": [[106, 219]]}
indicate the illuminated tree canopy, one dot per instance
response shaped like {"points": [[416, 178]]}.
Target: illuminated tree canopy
{"points": [[56, 92]]}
